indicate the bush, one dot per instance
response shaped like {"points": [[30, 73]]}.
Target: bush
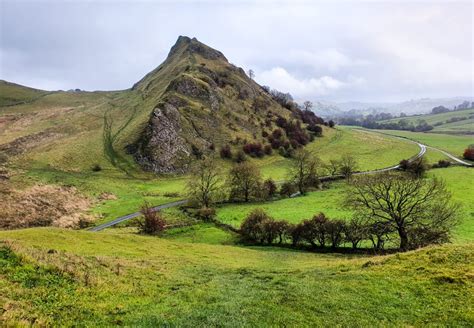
{"points": [[442, 163], [270, 188], [205, 213], [240, 157], [355, 231], [469, 153], [268, 149], [331, 123], [226, 152], [253, 149], [287, 189], [96, 168], [196, 151], [334, 230], [417, 167], [252, 228], [153, 223]]}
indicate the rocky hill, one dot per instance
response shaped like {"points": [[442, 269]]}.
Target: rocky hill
{"points": [[208, 103]]}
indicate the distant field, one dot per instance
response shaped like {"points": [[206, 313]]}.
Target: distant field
{"points": [[330, 201], [441, 122], [111, 278], [453, 144]]}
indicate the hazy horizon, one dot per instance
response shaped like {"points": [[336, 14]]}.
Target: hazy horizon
{"points": [[325, 51]]}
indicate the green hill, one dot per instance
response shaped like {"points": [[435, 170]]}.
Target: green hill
{"points": [[454, 122], [62, 278]]}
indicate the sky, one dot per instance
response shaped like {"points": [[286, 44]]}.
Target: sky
{"points": [[379, 51]]}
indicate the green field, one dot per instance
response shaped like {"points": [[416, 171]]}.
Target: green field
{"points": [[330, 201], [453, 144], [441, 123], [122, 279]]}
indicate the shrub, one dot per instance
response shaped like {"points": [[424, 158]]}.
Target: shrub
{"points": [[240, 157], [96, 168], [355, 231], [205, 213], [287, 189], [267, 149], [153, 223], [253, 149], [252, 228], [417, 167], [226, 152], [442, 163], [270, 188], [295, 232], [196, 151], [331, 123], [334, 230], [469, 153]]}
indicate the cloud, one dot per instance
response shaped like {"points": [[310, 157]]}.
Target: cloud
{"points": [[282, 80]]}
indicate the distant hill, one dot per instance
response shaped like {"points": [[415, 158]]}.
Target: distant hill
{"points": [[410, 107], [454, 122]]}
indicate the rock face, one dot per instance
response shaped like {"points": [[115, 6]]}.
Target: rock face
{"points": [[199, 102], [162, 149]]}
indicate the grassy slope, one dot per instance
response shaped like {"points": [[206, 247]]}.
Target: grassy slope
{"points": [[464, 126], [11, 94], [329, 201], [131, 280]]}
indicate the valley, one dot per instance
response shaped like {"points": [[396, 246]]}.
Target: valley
{"points": [[71, 161]]}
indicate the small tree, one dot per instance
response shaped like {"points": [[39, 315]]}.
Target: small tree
{"points": [[244, 182], [403, 203], [332, 167], [204, 183], [270, 188], [307, 105], [347, 166], [303, 170], [153, 223]]}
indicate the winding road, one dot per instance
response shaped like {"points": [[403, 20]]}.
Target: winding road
{"points": [[422, 151]]}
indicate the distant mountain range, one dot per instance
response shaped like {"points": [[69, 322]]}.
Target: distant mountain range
{"points": [[410, 107]]}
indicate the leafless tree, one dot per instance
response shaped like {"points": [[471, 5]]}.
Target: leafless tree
{"points": [[303, 170], [251, 73], [307, 105], [403, 204], [204, 183], [347, 166]]}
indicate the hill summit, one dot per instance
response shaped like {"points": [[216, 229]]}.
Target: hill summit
{"points": [[201, 101]]}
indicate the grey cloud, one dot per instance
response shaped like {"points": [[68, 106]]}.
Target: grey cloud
{"points": [[343, 50]]}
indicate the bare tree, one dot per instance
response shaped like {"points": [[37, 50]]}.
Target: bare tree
{"points": [[244, 181], [203, 185], [307, 105], [347, 166], [403, 204], [332, 167], [303, 170], [251, 73]]}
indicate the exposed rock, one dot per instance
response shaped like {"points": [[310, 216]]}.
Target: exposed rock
{"points": [[161, 148]]}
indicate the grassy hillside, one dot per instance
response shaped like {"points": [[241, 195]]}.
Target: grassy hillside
{"points": [[111, 279], [13, 94], [456, 122]]}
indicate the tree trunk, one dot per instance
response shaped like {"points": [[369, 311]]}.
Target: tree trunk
{"points": [[403, 238]]}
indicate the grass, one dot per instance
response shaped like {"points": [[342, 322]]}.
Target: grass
{"points": [[111, 278], [453, 144], [440, 121]]}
